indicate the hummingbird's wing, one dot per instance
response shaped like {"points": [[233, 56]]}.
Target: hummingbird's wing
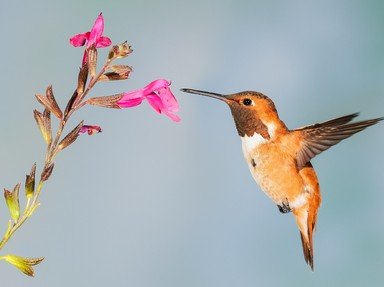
{"points": [[319, 137]]}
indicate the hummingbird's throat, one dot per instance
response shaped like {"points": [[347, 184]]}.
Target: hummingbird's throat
{"points": [[248, 123]]}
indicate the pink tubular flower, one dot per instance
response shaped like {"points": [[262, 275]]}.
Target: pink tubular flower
{"points": [[158, 95], [91, 130], [93, 37]]}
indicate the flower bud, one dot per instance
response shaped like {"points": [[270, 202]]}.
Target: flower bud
{"points": [[119, 51], [90, 130], [30, 182], [47, 171]]}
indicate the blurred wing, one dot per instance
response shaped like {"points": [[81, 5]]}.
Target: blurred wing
{"points": [[319, 137]]}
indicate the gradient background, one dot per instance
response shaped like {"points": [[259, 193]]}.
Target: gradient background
{"points": [[152, 203]]}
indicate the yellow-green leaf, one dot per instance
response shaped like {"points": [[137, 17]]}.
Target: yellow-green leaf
{"points": [[12, 200], [21, 263]]}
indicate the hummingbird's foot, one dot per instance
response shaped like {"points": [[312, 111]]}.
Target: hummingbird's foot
{"points": [[284, 207]]}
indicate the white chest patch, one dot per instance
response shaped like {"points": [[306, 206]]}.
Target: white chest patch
{"points": [[250, 143]]}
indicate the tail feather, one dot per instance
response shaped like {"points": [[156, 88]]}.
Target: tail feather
{"points": [[306, 226], [307, 250], [306, 215]]}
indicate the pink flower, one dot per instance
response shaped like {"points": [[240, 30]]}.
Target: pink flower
{"points": [[158, 95], [93, 37], [91, 130]]}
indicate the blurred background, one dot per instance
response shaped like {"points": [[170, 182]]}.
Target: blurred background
{"points": [[149, 202]]}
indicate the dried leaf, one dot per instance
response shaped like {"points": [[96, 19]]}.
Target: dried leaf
{"points": [[47, 171], [70, 104], [12, 200], [30, 182], [92, 60], [39, 118], [82, 79], [42, 100], [34, 261], [47, 125], [70, 137], [119, 72], [113, 76], [106, 102], [49, 102], [41, 124], [121, 69], [21, 263], [54, 107]]}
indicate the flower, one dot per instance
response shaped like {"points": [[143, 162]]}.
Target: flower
{"points": [[91, 130], [158, 95], [92, 38]]}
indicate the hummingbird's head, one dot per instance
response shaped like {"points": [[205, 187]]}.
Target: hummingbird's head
{"points": [[252, 111]]}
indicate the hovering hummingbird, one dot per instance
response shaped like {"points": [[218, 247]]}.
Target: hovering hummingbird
{"points": [[279, 158]]}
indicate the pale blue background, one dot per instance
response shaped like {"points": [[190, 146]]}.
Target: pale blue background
{"points": [[152, 203]]}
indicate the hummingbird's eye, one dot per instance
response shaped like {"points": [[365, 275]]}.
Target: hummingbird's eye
{"points": [[247, 102]]}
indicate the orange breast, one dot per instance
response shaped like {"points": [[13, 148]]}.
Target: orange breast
{"points": [[274, 169]]}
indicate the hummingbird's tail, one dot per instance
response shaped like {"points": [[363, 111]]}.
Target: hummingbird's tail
{"points": [[306, 215], [306, 227], [307, 250]]}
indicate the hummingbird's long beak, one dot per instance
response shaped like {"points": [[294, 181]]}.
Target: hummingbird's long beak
{"points": [[207, 94]]}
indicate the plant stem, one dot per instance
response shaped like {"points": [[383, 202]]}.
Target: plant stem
{"points": [[51, 152]]}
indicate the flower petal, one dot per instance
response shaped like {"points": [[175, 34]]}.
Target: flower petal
{"points": [[130, 99], [170, 105], [173, 117], [96, 31], [168, 99], [103, 42], [79, 39], [159, 96], [155, 102], [160, 106], [154, 86], [129, 103]]}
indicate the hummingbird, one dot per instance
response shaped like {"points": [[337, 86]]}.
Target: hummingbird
{"points": [[280, 159]]}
